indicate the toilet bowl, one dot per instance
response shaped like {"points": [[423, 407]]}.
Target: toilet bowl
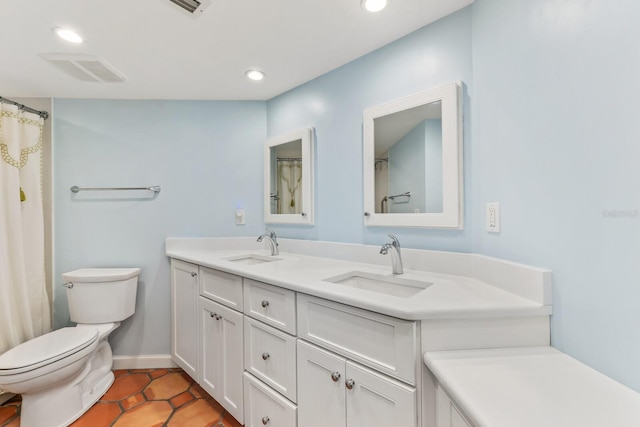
{"points": [[60, 375]]}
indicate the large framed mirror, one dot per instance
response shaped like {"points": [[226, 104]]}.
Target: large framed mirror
{"points": [[413, 160], [288, 178]]}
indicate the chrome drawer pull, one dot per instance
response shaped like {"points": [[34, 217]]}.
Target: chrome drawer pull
{"points": [[194, 274], [335, 376], [265, 304], [265, 356], [265, 420], [349, 383]]}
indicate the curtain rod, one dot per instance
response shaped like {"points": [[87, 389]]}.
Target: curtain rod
{"points": [[43, 114]]}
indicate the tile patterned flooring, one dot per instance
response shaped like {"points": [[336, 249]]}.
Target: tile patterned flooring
{"points": [[144, 398]]}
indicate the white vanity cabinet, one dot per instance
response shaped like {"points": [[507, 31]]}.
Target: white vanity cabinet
{"points": [[447, 413], [222, 339], [270, 355], [208, 331], [221, 366], [345, 379], [334, 391], [184, 316], [276, 356]]}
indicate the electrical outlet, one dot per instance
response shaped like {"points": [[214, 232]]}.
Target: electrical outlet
{"points": [[239, 216], [493, 217]]}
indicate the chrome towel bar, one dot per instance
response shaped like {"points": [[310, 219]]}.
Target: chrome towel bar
{"points": [[76, 189]]}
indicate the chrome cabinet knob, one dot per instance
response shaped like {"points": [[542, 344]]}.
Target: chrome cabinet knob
{"points": [[349, 383], [335, 376], [265, 356], [194, 274], [265, 420], [212, 314], [265, 304], [218, 317]]}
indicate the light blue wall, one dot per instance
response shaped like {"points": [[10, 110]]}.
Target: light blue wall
{"points": [[333, 103], [555, 135], [407, 170], [206, 156]]}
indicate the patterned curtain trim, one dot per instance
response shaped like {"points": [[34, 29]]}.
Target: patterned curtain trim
{"points": [[24, 153]]}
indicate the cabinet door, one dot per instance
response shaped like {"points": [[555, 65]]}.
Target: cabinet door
{"points": [[374, 400], [221, 364], [184, 316], [447, 415], [321, 390]]}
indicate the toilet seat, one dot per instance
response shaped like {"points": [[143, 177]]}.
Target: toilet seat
{"points": [[47, 349]]}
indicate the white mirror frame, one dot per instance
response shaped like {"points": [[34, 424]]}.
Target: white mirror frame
{"points": [[452, 181], [306, 217]]}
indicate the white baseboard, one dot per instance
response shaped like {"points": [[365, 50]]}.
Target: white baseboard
{"points": [[148, 361]]}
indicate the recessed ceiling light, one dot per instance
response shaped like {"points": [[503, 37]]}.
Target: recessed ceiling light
{"points": [[374, 5], [68, 35], [254, 75]]}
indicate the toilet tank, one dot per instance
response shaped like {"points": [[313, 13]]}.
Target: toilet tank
{"points": [[101, 295]]}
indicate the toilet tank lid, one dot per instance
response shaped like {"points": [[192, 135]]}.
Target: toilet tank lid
{"points": [[100, 274]]}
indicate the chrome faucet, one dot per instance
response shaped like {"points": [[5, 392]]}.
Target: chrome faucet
{"points": [[272, 238], [396, 256]]}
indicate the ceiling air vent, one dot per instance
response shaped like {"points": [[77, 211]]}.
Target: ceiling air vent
{"points": [[88, 68], [194, 7]]}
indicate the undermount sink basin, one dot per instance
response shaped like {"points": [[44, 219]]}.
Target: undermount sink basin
{"points": [[390, 285], [252, 259]]}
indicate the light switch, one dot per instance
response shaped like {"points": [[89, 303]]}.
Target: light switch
{"points": [[239, 216]]}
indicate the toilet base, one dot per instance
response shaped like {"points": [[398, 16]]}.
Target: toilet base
{"points": [[65, 403]]}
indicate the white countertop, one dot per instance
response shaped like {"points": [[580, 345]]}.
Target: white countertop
{"points": [[450, 296], [532, 387]]}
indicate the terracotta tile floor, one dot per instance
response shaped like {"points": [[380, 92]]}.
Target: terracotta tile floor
{"points": [[144, 398]]}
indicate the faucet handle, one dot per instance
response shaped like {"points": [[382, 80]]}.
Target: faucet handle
{"points": [[396, 242], [272, 233]]}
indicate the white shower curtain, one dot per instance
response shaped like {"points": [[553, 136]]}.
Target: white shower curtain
{"points": [[24, 304], [289, 188]]}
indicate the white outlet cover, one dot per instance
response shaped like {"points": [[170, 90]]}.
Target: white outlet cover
{"points": [[493, 217]]}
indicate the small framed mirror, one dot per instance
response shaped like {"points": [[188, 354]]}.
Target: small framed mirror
{"points": [[413, 160], [288, 178]]}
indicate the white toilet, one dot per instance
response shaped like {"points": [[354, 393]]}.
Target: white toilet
{"points": [[63, 373]]}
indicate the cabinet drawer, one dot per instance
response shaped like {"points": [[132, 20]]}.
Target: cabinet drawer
{"points": [[270, 304], [222, 287], [270, 355], [384, 343], [264, 406]]}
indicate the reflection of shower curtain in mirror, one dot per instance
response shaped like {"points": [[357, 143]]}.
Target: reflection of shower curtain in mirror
{"points": [[289, 188]]}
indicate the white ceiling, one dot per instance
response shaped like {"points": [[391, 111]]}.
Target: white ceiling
{"points": [[167, 54]]}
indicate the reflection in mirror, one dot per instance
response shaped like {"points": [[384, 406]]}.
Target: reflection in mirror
{"points": [[288, 178], [408, 160], [412, 160]]}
